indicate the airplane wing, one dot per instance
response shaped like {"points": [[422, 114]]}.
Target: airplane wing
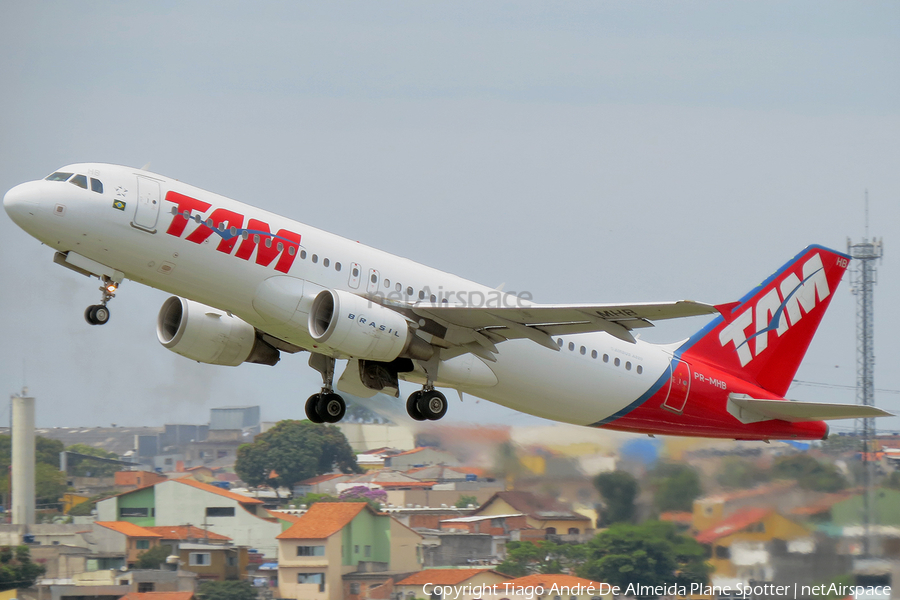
{"points": [[750, 410], [479, 329]]}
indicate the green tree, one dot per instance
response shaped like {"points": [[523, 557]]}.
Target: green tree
{"points": [[45, 451], [16, 568], [810, 473], [226, 590], [465, 501], [152, 558], [651, 554], [293, 451], [527, 558], [618, 490], [740, 473], [675, 486], [49, 484], [85, 467]]}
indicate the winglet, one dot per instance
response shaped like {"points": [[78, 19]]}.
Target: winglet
{"points": [[727, 310]]}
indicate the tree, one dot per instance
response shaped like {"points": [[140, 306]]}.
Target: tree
{"points": [[361, 493], [618, 489], [649, 554], [152, 558], [49, 484], [16, 568], [85, 467], [465, 501], [810, 473], [736, 472], [226, 590], [676, 486], [527, 558], [293, 451]]}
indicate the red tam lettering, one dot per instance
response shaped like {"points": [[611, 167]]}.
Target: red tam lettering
{"points": [[186, 204], [218, 220], [259, 238]]}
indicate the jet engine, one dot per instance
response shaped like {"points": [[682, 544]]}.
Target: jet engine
{"points": [[209, 335], [362, 329]]}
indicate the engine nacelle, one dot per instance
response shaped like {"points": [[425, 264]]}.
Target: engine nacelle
{"points": [[357, 327], [209, 335]]}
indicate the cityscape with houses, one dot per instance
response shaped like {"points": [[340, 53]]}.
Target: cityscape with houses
{"points": [[370, 509]]}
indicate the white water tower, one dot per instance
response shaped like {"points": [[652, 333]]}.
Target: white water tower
{"points": [[23, 461]]}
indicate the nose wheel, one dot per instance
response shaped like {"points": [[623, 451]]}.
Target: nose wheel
{"points": [[426, 405], [98, 314]]}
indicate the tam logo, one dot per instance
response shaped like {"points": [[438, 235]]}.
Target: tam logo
{"points": [[229, 226], [364, 321], [782, 307]]}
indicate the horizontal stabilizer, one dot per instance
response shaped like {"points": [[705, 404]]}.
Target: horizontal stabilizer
{"points": [[751, 410]]}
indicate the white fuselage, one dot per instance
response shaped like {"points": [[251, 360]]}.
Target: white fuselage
{"points": [[137, 238]]}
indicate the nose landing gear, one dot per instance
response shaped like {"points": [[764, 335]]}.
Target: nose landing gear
{"points": [[98, 314], [326, 406]]}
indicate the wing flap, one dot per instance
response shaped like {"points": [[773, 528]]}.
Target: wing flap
{"points": [[747, 409]]}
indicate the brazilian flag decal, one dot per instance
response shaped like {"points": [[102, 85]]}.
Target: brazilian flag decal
{"points": [[118, 204]]}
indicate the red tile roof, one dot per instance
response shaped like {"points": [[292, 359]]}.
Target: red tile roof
{"points": [[187, 532], [283, 516], [321, 478], [732, 524], [217, 490], [443, 576], [129, 529], [413, 451], [322, 520]]}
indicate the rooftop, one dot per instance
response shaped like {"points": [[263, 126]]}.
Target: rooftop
{"points": [[443, 576], [217, 490], [732, 524], [129, 529], [322, 520], [187, 532]]}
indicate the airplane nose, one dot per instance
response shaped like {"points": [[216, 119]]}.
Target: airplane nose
{"points": [[22, 201]]}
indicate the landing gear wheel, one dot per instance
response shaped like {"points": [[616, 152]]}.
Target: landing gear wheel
{"points": [[96, 314], [312, 408], [432, 405], [412, 406], [331, 407]]}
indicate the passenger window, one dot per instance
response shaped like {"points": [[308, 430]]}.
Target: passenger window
{"points": [[280, 247], [433, 298], [640, 369], [409, 291], [80, 181], [303, 254], [291, 250], [58, 176], [315, 258], [399, 288], [560, 342], [374, 278], [627, 365], [617, 362], [387, 283], [337, 266], [593, 354], [606, 358], [583, 350], [571, 346], [325, 262], [96, 186], [421, 294]]}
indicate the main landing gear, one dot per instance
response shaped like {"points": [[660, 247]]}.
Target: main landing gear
{"points": [[326, 406], [426, 405], [98, 314]]}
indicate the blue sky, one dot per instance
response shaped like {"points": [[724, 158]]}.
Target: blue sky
{"points": [[586, 152]]}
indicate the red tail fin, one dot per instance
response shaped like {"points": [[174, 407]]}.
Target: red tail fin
{"points": [[764, 337]]}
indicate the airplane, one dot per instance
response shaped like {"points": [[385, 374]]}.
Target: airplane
{"points": [[249, 285]]}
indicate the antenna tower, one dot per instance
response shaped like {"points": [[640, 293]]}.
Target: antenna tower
{"points": [[863, 278]]}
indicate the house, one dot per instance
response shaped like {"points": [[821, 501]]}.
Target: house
{"points": [[130, 480], [125, 538], [333, 539], [492, 524], [741, 545], [540, 512], [420, 457], [479, 583], [180, 501], [208, 554], [159, 596], [320, 484]]}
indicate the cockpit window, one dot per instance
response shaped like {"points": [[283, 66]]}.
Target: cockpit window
{"points": [[80, 181], [58, 176], [96, 185]]}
